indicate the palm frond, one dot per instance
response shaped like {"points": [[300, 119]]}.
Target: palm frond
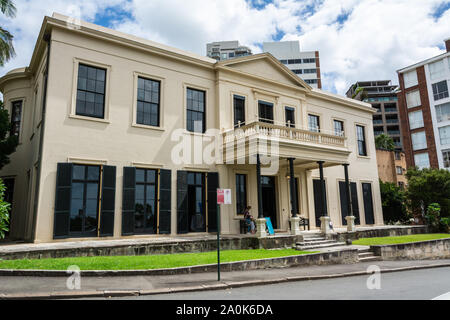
{"points": [[8, 8], [6, 46]]}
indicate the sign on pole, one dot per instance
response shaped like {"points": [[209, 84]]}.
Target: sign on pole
{"points": [[223, 197]]}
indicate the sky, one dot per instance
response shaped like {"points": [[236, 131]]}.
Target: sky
{"points": [[357, 39]]}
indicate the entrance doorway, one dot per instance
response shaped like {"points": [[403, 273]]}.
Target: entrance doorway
{"points": [[320, 207], [269, 199]]}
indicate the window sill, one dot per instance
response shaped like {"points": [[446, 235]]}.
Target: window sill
{"points": [[143, 126], [74, 116], [363, 157]]}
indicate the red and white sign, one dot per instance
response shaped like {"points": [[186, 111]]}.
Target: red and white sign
{"points": [[223, 196]]}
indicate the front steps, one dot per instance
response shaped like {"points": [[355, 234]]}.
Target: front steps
{"points": [[365, 255], [317, 242]]}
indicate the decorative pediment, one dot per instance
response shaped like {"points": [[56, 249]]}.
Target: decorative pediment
{"points": [[266, 66]]}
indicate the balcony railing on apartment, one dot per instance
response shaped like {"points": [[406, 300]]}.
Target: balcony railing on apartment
{"points": [[270, 129], [391, 120], [396, 132], [390, 109]]}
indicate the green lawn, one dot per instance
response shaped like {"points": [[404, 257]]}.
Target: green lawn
{"points": [[147, 262], [400, 239]]}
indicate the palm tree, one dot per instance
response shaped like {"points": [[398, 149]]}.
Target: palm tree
{"points": [[6, 46], [384, 142]]}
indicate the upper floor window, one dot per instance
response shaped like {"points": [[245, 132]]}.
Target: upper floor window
{"points": [[410, 78], [419, 140], [91, 91], [148, 102], [239, 110], [265, 112], [290, 117], [196, 110], [361, 137], [338, 128], [398, 155], [311, 81], [422, 160], [415, 119], [310, 60], [294, 61], [309, 71], [440, 90], [446, 156], [444, 135], [443, 112], [413, 99], [436, 70], [16, 117], [399, 170], [313, 123]]}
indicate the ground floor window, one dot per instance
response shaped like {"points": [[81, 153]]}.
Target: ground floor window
{"points": [[85, 200], [145, 214]]}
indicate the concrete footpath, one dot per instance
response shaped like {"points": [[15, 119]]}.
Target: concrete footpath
{"points": [[56, 288]]}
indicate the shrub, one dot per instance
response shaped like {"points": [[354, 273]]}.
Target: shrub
{"points": [[4, 211]]}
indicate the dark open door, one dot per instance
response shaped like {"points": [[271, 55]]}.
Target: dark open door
{"points": [[269, 199], [344, 205], [368, 203], [320, 207]]}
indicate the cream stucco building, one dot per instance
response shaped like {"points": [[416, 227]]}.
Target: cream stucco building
{"points": [[106, 122]]}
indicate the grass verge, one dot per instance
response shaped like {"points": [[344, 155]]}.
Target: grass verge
{"points": [[400, 239], [147, 262]]}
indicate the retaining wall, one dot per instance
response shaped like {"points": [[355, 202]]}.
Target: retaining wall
{"points": [[431, 249]]}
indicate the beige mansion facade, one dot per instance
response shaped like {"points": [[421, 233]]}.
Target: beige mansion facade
{"points": [[101, 116]]}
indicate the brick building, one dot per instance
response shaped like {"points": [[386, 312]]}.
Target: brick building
{"points": [[424, 106]]}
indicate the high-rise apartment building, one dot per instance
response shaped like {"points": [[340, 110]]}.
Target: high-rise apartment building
{"points": [[224, 50], [382, 95], [305, 64], [424, 105]]}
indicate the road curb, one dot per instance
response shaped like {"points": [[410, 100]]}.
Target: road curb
{"points": [[207, 287]]}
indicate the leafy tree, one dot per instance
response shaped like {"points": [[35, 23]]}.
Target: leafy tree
{"points": [[4, 211], [7, 144], [428, 186], [384, 142], [7, 51], [393, 202]]}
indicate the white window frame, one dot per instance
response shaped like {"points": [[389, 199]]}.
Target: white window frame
{"points": [[413, 99], [417, 162], [415, 136], [410, 78], [446, 140], [413, 122]]}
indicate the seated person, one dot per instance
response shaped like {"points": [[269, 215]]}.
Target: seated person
{"points": [[249, 220]]}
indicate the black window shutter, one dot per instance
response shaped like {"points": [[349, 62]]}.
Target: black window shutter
{"points": [[63, 200], [108, 201], [128, 200], [213, 185], [182, 203], [165, 201], [355, 205]]}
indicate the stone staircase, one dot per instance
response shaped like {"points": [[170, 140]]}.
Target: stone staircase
{"points": [[365, 255], [317, 241]]}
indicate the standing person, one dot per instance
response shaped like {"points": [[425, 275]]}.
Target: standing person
{"points": [[249, 220]]}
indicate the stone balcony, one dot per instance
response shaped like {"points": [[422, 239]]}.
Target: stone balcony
{"points": [[293, 142]]}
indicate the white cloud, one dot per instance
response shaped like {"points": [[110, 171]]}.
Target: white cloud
{"points": [[377, 38]]}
